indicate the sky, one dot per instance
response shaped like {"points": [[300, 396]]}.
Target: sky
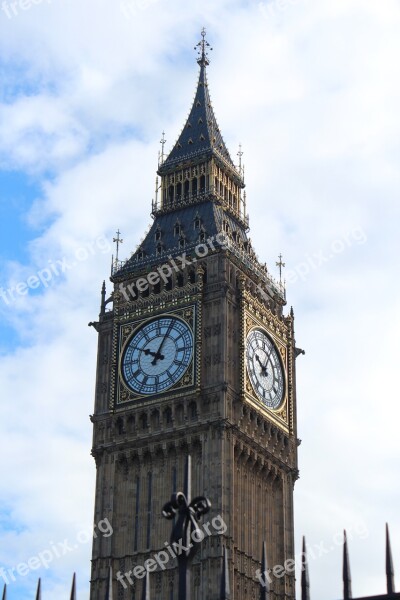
{"points": [[311, 89]]}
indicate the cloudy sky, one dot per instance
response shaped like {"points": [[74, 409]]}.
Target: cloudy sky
{"points": [[311, 88]]}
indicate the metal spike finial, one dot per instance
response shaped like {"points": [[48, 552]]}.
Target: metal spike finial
{"points": [[305, 579], [280, 265], [389, 564], [240, 154], [103, 299], [264, 581], [118, 240], [156, 195], [39, 590], [4, 597], [187, 489], [109, 590], [162, 142], [347, 593], [73, 588], [225, 593], [202, 48], [146, 587]]}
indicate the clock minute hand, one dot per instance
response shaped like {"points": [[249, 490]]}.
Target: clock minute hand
{"points": [[158, 355], [263, 368], [268, 357]]}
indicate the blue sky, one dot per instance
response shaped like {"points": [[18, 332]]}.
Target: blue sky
{"points": [[311, 89]]}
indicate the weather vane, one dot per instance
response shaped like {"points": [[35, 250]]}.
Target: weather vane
{"points": [[117, 241], [280, 264], [202, 48]]}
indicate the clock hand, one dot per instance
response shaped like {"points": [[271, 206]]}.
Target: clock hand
{"points": [[268, 357], [158, 355], [263, 368], [147, 352]]}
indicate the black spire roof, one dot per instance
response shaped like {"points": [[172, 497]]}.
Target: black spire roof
{"points": [[201, 134]]}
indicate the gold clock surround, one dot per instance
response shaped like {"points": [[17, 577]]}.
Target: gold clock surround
{"points": [[256, 316], [122, 394]]}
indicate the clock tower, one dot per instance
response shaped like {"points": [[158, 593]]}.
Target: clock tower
{"points": [[196, 356]]}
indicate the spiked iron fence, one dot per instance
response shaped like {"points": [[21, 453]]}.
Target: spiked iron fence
{"points": [[265, 593]]}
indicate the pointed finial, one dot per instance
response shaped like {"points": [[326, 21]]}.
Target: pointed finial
{"points": [[118, 240], [305, 579], [146, 587], [4, 597], [187, 490], [103, 299], [280, 265], [39, 590], [202, 48], [240, 154], [389, 564], [73, 588], [109, 590], [264, 581], [347, 594], [162, 142], [225, 593]]}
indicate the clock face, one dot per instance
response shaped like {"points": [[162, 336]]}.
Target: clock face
{"points": [[264, 369], [157, 355]]}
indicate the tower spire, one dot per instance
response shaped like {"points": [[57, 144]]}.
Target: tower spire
{"points": [[200, 136]]}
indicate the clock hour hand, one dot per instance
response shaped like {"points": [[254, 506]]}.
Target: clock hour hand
{"points": [[263, 368], [147, 352]]}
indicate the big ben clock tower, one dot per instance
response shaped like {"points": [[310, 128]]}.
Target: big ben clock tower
{"points": [[196, 355]]}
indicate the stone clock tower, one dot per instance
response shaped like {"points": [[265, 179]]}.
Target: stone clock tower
{"points": [[195, 356]]}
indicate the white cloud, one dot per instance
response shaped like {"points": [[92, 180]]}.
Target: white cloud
{"points": [[312, 92]]}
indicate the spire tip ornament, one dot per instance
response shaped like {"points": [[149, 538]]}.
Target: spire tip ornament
{"points": [[202, 48]]}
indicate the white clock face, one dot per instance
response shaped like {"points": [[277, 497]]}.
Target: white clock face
{"points": [[157, 355], [264, 369]]}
